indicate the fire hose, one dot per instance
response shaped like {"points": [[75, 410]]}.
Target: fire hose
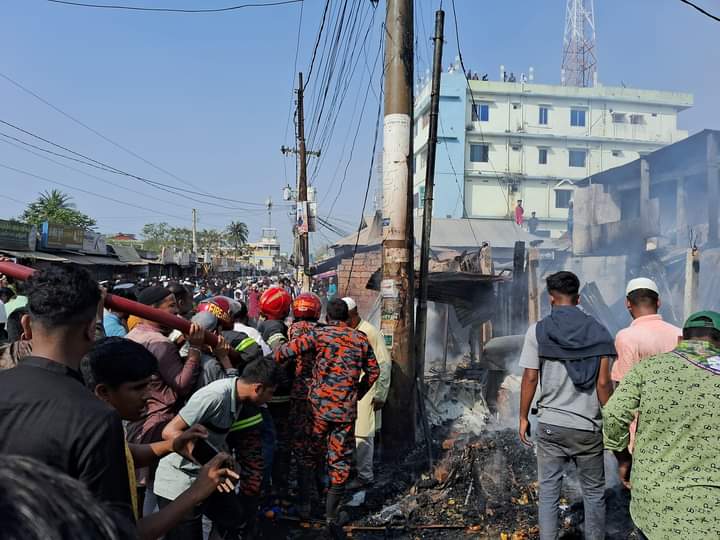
{"points": [[18, 271]]}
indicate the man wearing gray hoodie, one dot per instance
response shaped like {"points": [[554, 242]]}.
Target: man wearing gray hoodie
{"points": [[568, 353]]}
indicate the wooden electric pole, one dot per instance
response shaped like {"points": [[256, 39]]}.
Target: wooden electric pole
{"points": [[302, 188], [397, 247], [421, 318]]}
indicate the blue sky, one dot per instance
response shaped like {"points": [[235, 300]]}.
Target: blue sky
{"points": [[207, 97]]}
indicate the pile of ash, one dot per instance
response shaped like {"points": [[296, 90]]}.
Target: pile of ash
{"points": [[480, 487]]}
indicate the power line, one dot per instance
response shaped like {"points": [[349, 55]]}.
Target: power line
{"points": [[317, 42], [109, 168], [474, 105], [175, 10], [96, 132], [701, 10], [68, 186], [369, 181]]}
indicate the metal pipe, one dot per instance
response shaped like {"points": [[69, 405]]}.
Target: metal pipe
{"points": [[18, 271]]}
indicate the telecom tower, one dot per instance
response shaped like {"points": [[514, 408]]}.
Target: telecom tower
{"points": [[579, 66]]}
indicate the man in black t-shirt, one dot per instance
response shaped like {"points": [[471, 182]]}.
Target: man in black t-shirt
{"points": [[45, 410]]}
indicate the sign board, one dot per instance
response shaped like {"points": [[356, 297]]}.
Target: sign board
{"points": [[301, 220], [61, 237], [312, 216], [94, 243], [388, 289], [17, 236]]}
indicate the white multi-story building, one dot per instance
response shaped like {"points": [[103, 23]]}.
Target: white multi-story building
{"points": [[264, 255], [520, 141]]}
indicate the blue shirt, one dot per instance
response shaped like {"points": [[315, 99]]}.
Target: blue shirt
{"points": [[113, 325]]}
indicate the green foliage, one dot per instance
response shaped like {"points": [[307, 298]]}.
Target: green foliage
{"points": [[159, 235], [56, 207], [237, 235]]}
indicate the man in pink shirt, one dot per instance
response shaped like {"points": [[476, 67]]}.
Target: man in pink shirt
{"points": [[646, 336]]}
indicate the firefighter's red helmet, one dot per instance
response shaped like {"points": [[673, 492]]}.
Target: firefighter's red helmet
{"points": [[307, 306], [220, 307], [275, 303]]}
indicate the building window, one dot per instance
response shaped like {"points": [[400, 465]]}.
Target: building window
{"points": [[414, 164], [480, 112], [543, 116], [577, 117], [424, 119], [421, 194], [637, 119], [479, 153], [617, 153], [563, 198], [542, 156], [577, 158], [618, 118], [415, 130]]}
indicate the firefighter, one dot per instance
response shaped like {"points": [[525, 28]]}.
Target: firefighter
{"points": [[306, 309], [274, 307], [245, 435], [342, 355]]}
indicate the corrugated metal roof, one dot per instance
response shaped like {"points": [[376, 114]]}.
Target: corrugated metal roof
{"points": [[39, 255], [471, 233], [127, 254]]}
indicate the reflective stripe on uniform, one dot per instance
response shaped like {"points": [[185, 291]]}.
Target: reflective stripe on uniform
{"points": [[245, 343], [279, 399], [245, 423]]}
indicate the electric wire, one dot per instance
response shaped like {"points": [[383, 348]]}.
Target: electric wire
{"points": [[81, 190], [91, 162], [367, 187], [175, 10], [96, 132], [701, 10]]}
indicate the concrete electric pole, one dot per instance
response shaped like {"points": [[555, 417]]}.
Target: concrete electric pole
{"points": [[397, 247], [194, 230]]}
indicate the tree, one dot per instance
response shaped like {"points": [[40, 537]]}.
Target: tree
{"points": [[56, 207], [209, 239], [237, 235], [155, 235]]}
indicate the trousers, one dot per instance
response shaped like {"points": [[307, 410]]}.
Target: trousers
{"points": [[334, 441], [557, 446], [364, 451]]}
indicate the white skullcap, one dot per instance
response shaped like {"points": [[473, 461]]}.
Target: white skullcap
{"points": [[350, 303], [641, 283]]}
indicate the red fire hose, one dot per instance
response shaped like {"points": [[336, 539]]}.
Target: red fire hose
{"points": [[18, 271]]}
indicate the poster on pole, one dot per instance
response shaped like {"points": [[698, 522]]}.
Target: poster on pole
{"points": [[302, 218], [312, 216]]}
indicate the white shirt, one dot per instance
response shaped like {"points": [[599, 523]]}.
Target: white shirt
{"points": [[253, 333], [3, 315]]}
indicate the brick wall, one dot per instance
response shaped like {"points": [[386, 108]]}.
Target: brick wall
{"points": [[366, 264]]}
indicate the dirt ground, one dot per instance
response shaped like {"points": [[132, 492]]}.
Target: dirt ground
{"points": [[479, 487]]}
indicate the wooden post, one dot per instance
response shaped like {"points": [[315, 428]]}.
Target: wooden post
{"points": [[681, 212], [692, 281], [533, 296]]}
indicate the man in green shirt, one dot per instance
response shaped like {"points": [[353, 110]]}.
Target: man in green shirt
{"points": [[675, 478]]}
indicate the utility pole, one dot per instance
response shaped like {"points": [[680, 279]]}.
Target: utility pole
{"points": [[421, 317], [397, 248], [302, 191], [194, 230], [302, 188]]}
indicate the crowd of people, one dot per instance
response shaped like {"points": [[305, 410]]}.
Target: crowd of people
{"points": [[266, 401], [650, 395]]}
